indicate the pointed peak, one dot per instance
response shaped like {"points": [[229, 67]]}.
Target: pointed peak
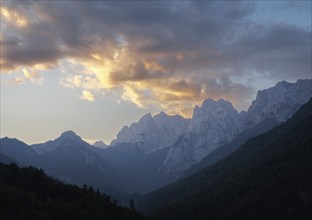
{"points": [[210, 102], [146, 117], [161, 114], [207, 102], [70, 134], [99, 144]]}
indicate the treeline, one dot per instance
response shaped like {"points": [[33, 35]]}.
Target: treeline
{"points": [[28, 193]]}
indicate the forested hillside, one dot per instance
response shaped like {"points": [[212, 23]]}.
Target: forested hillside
{"points": [[27, 193]]}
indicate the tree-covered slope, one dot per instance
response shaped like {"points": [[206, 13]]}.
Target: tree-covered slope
{"points": [[268, 177], [27, 193]]}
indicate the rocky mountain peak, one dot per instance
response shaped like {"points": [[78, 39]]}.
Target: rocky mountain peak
{"points": [[69, 135], [100, 144], [210, 103], [212, 110], [279, 102], [65, 139], [161, 116], [147, 118], [153, 132], [213, 124]]}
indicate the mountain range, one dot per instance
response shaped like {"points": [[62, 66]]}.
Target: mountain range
{"points": [[267, 177], [160, 149], [212, 125]]}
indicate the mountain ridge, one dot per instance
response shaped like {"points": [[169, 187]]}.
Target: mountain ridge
{"points": [[217, 122], [139, 167], [268, 177], [57, 142]]}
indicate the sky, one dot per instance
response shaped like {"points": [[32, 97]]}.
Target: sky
{"points": [[95, 66]]}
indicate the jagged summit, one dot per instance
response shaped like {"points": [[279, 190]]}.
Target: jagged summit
{"points": [[153, 132], [146, 118], [161, 114], [207, 103], [164, 116], [100, 144], [210, 105], [279, 102], [158, 148], [213, 123], [212, 110]]}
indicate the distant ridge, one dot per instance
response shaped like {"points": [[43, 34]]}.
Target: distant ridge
{"points": [[51, 145]]}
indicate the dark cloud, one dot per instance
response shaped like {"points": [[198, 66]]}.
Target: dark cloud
{"points": [[194, 48], [282, 51], [152, 28], [135, 72]]}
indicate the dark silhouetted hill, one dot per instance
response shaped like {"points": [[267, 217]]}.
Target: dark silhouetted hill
{"points": [[17, 150], [27, 193]]}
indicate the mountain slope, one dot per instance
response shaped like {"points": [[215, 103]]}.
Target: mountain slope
{"points": [[153, 132], [18, 150], [227, 149], [27, 193], [269, 177], [279, 102], [140, 170], [74, 161], [100, 144], [212, 125], [217, 123], [157, 150], [6, 159], [58, 142]]}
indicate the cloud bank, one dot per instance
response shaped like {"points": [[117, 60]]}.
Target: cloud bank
{"points": [[168, 54]]}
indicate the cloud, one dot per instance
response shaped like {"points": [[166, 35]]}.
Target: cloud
{"points": [[137, 71], [87, 95], [26, 76], [180, 96], [81, 81], [169, 54], [13, 17], [72, 82]]}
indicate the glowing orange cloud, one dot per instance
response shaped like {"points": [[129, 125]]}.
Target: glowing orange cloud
{"points": [[13, 17]]}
